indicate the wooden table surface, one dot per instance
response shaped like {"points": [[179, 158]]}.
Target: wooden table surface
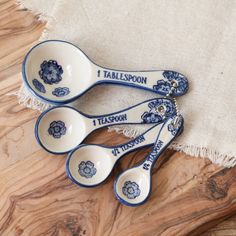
{"points": [[190, 195]]}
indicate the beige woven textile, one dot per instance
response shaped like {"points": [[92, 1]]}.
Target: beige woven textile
{"points": [[196, 38]]}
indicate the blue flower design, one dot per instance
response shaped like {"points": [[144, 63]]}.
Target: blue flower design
{"points": [[39, 86], [149, 117], [176, 80], [87, 169], [61, 91], [176, 77], [162, 86], [131, 190], [57, 129], [174, 127], [160, 109], [50, 72], [170, 75]]}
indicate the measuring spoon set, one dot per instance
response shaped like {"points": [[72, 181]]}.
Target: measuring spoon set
{"points": [[58, 72]]}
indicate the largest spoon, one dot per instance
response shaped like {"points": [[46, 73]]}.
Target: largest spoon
{"points": [[59, 72]]}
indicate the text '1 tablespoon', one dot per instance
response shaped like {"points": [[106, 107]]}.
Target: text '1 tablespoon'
{"points": [[59, 72], [133, 186], [90, 164], [61, 129]]}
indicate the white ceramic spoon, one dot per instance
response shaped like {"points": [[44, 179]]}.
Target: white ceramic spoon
{"points": [[61, 129], [90, 165], [133, 186], [59, 72]]}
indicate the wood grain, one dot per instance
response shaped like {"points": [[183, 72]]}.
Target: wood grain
{"points": [[226, 228], [189, 196]]}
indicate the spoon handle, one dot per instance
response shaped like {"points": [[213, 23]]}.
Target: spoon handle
{"points": [[169, 131], [145, 139], [162, 82], [151, 111]]}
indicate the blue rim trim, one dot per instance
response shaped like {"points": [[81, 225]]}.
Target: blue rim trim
{"points": [[70, 155], [121, 200], [88, 116], [25, 80]]}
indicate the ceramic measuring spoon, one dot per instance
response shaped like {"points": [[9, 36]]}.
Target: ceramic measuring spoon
{"points": [[133, 186], [61, 129], [59, 72], [90, 165]]}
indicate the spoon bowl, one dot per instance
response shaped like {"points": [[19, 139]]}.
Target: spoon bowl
{"points": [[89, 165], [56, 71], [59, 72], [60, 130], [133, 187]]}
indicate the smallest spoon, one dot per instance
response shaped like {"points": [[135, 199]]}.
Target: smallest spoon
{"points": [[133, 186]]}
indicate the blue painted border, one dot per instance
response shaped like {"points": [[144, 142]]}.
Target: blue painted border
{"points": [[88, 116], [25, 80], [139, 164]]}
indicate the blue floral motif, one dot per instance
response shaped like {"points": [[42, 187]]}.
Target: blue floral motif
{"points": [[57, 129], [131, 190], [61, 91], [39, 86], [87, 169], [162, 86], [176, 80], [149, 117], [50, 72], [174, 127], [160, 109]]}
